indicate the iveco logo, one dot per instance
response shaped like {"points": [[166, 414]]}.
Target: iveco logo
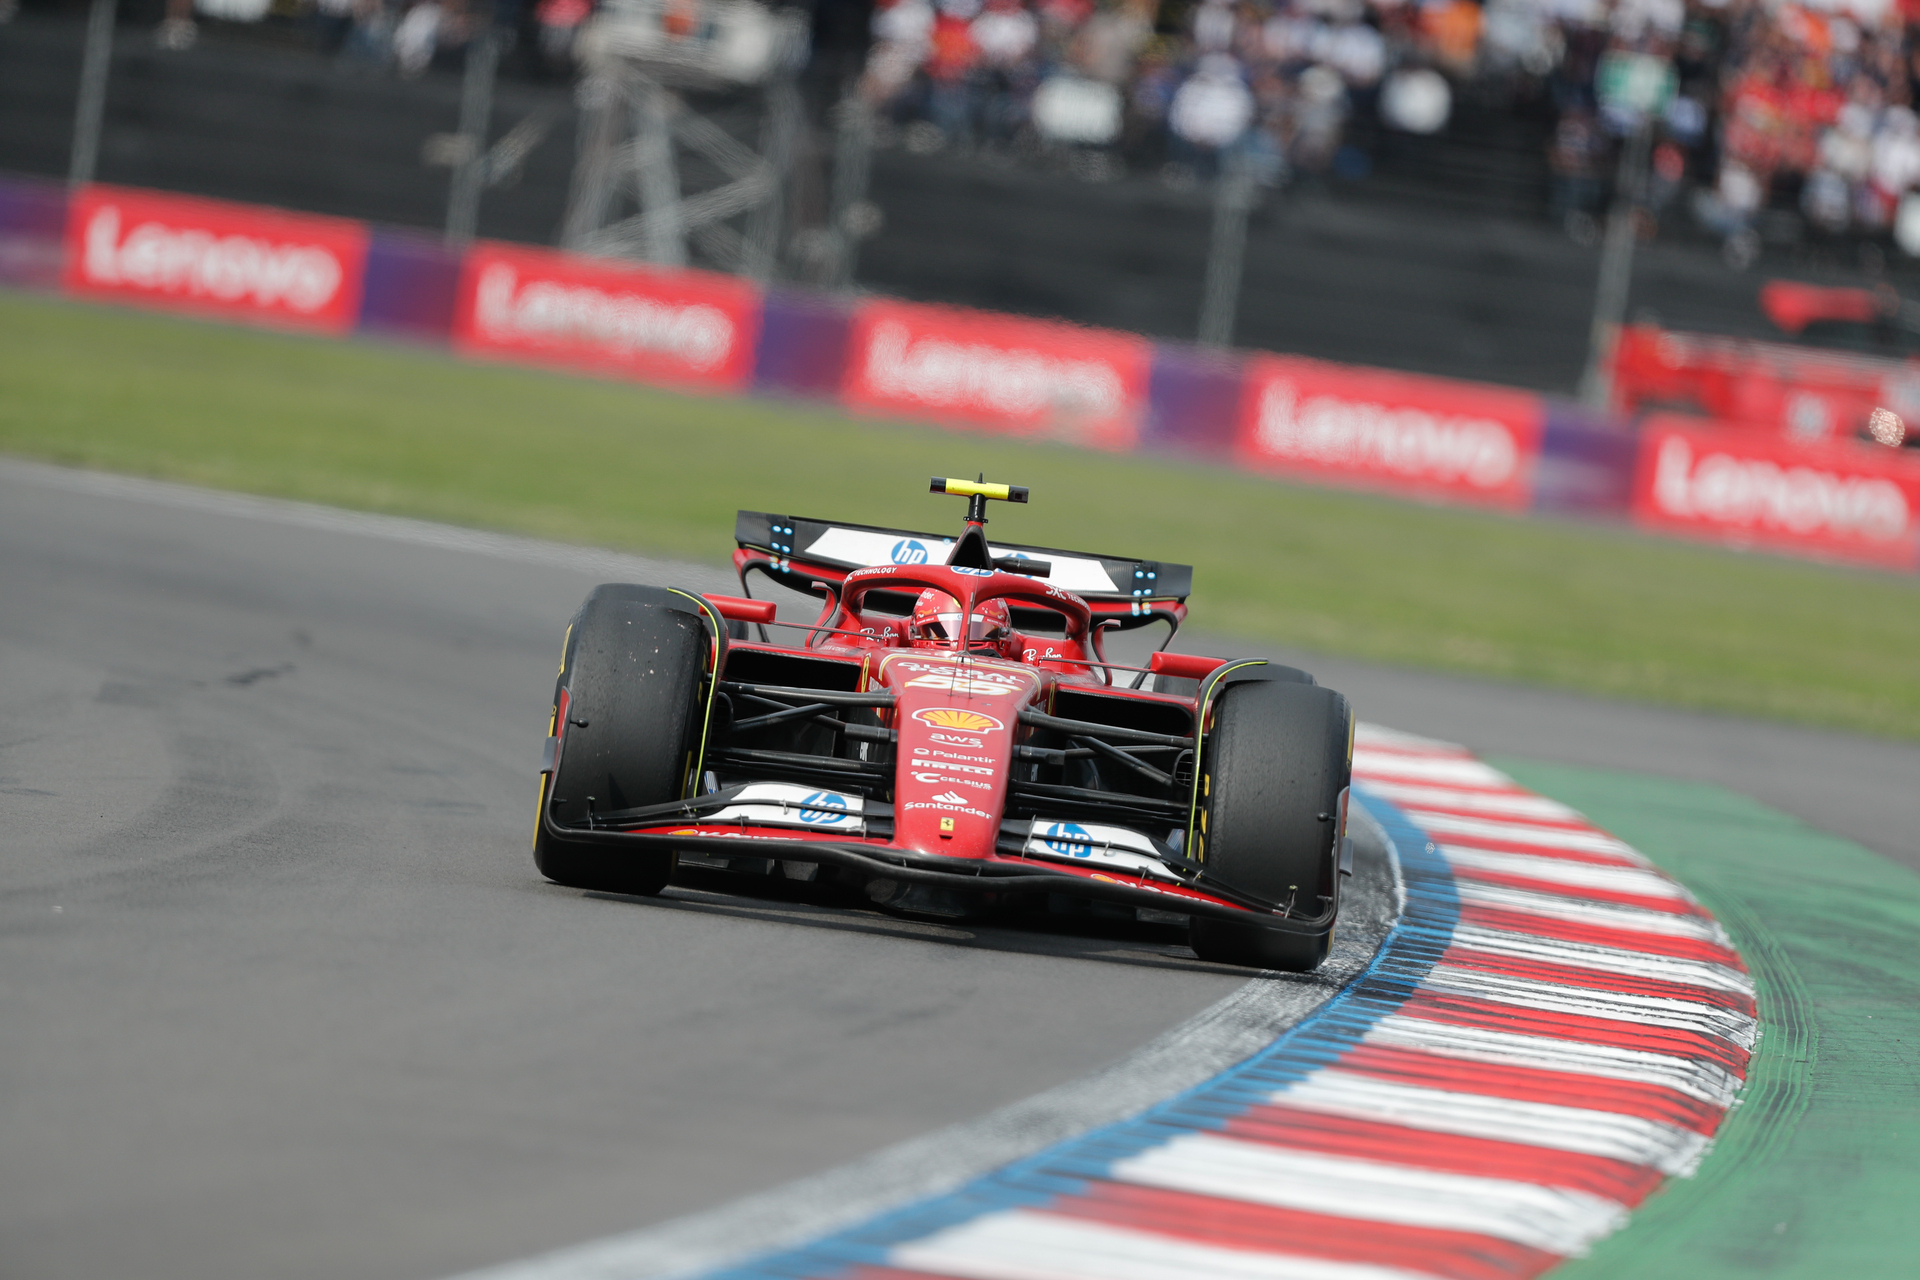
{"points": [[909, 551], [824, 808], [1069, 839]]}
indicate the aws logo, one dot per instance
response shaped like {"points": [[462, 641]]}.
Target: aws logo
{"points": [[957, 718]]}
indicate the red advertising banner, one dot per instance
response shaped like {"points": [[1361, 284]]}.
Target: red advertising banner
{"points": [[1844, 500], [655, 325], [1433, 437], [241, 262], [1801, 393], [1084, 385]]}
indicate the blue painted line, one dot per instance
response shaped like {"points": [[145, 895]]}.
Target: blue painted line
{"points": [[1410, 950]]}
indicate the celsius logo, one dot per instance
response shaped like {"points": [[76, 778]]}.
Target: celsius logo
{"points": [[824, 808], [1069, 839], [909, 551], [957, 718]]}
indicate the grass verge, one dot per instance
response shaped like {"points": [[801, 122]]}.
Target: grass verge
{"points": [[415, 432]]}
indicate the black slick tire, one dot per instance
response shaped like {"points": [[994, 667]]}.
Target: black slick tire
{"points": [[631, 673], [1277, 759]]}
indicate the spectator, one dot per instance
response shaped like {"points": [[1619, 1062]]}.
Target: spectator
{"points": [[559, 23], [951, 60], [177, 32], [1210, 111], [1575, 160], [370, 41], [417, 36]]}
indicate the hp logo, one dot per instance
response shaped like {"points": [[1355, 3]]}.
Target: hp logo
{"points": [[1069, 839], [909, 551], [824, 808]]}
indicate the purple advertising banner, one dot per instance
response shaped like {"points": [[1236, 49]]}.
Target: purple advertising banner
{"points": [[33, 224]]}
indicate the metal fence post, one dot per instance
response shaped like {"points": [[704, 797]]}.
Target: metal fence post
{"points": [[476, 116], [92, 107], [1616, 270], [852, 169], [1226, 253]]}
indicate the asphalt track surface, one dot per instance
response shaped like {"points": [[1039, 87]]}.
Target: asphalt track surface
{"points": [[284, 995]]}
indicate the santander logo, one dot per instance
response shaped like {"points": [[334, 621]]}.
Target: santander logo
{"points": [[1005, 381], [196, 263], [1356, 435], [1755, 493], [510, 309]]}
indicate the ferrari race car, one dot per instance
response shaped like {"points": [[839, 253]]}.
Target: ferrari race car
{"points": [[949, 738]]}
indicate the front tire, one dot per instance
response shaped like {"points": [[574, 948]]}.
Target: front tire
{"points": [[1277, 760], [631, 678]]}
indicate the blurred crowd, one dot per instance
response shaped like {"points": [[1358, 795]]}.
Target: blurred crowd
{"points": [[405, 36], [1781, 106], [1778, 108], [1280, 86]]}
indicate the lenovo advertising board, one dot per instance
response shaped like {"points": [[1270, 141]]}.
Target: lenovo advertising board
{"points": [[236, 261], [1844, 500], [1429, 437], [1087, 386], [1801, 393], [686, 328]]}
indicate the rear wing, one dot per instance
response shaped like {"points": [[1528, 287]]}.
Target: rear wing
{"points": [[796, 552]]}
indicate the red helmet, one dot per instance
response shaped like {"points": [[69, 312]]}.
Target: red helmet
{"points": [[936, 620]]}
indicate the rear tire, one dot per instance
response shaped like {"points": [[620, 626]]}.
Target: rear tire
{"points": [[631, 671], [1277, 759]]}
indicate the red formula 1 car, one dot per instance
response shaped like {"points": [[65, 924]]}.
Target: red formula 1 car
{"points": [[950, 738]]}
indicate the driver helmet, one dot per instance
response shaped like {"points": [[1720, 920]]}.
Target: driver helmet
{"points": [[936, 620]]}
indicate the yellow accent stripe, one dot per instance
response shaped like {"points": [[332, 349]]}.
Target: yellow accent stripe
{"points": [[713, 682], [968, 488], [1199, 741]]}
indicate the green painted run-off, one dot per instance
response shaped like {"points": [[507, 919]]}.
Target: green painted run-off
{"points": [[1817, 1171]]}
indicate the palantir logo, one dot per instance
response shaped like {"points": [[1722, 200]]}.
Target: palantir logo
{"points": [[909, 551], [824, 808], [1069, 839]]}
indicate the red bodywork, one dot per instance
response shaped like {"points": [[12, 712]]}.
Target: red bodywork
{"points": [[944, 775], [956, 714]]}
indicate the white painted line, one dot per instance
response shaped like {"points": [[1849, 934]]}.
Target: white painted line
{"points": [[1556, 1220], [1458, 770], [1694, 973], [1022, 1244], [1442, 825], [1370, 736], [1610, 1134], [1605, 915], [1508, 804], [1705, 1081], [1577, 875], [1680, 1015]]}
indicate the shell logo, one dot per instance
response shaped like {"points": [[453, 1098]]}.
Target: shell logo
{"points": [[955, 718]]}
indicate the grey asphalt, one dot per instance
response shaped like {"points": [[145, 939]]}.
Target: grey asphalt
{"points": [[281, 994]]}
